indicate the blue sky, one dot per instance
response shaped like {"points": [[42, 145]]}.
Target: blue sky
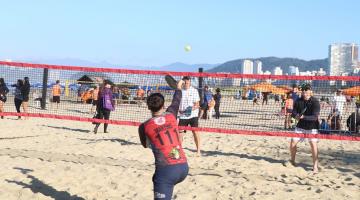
{"points": [[154, 32]]}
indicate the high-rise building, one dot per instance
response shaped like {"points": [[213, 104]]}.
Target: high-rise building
{"points": [[342, 58], [258, 67], [278, 71], [294, 71], [247, 67]]}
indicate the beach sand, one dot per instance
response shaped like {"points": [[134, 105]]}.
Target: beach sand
{"points": [[54, 159]]}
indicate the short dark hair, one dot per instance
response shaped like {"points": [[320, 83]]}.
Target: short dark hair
{"points": [[155, 102], [58, 81], [186, 78], [294, 86], [217, 90]]}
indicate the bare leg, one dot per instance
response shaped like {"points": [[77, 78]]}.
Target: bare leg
{"points": [[1, 108], [314, 152], [197, 141], [25, 108], [293, 149]]}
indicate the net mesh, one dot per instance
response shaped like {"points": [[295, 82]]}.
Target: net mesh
{"points": [[248, 102]]}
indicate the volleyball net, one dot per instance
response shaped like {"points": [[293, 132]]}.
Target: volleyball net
{"points": [[229, 103]]}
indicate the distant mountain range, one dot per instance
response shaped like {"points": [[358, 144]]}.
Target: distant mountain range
{"points": [[177, 66], [269, 63]]}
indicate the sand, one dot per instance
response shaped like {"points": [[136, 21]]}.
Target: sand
{"points": [[54, 159]]}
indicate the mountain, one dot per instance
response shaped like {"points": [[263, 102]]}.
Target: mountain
{"points": [[183, 67], [269, 63], [177, 66]]}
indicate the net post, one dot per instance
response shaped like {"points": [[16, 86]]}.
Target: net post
{"points": [[201, 80], [44, 88]]}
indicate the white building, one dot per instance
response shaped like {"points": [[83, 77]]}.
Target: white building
{"points": [[321, 72], [294, 71], [247, 67], [278, 71], [342, 58], [258, 67]]}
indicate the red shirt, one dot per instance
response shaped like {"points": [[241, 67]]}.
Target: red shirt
{"points": [[163, 133]]}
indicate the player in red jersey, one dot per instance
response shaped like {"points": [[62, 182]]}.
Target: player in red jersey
{"points": [[161, 134]]}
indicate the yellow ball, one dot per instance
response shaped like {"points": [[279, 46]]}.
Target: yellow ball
{"points": [[187, 48]]}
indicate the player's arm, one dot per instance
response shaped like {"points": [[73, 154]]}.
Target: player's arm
{"points": [[174, 106], [295, 113], [142, 135]]}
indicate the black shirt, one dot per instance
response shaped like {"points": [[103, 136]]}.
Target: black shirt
{"points": [[310, 109]]}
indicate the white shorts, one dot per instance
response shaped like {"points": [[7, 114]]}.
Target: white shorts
{"points": [[300, 130]]}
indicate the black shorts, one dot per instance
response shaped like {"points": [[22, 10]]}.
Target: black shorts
{"points": [[193, 122], [26, 99], [56, 99], [94, 102]]}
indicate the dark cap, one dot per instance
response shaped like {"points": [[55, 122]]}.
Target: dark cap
{"points": [[186, 78]]}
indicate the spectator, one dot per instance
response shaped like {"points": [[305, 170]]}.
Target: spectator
{"points": [[339, 101], [296, 93], [353, 122], [289, 104], [95, 95], [25, 91], [105, 105], [140, 94], [324, 125], [4, 90], [18, 95], [56, 92], [265, 98], [217, 98], [207, 98], [334, 119]]}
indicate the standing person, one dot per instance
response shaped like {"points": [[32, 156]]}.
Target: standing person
{"points": [[189, 109], [25, 90], [306, 110], [217, 98], [265, 98], [205, 105], [289, 104], [18, 95], [105, 105], [161, 134], [338, 102], [3, 92], [295, 93], [95, 96], [56, 92]]}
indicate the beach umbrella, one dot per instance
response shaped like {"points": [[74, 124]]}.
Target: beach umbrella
{"points": [[279, 91], [264, 87], [353, 91]]}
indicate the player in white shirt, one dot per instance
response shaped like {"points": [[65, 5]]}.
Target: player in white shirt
{"points": [[339, 101], [189, 109]]}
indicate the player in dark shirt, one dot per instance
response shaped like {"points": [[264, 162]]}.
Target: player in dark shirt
{"points": [[306, 111], [161, 134]]}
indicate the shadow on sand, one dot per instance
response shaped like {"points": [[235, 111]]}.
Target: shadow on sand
{"points": [[37, 186]]}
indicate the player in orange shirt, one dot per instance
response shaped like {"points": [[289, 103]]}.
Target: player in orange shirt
{"points": [[95, 95], [56, 92]]}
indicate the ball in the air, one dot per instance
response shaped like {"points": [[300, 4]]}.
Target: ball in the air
{"points": [[187, 48]]}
